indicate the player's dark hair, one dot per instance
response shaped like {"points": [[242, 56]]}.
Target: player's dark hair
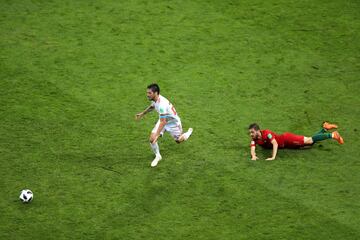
{"points": [[154, 88], [254, 126]]}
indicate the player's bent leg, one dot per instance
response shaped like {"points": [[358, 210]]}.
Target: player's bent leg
{"points": [[322, 130], [176, 132], [334, 135], [185, 136], [321, 136]]}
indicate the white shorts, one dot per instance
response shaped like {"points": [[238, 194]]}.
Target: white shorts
{"points": [[175, 129]]}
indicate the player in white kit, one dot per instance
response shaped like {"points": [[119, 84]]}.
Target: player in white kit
{"points": [[169, 121]]}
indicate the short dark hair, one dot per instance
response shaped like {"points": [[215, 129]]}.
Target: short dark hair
{"points": [[154, 87], [254, 126]]}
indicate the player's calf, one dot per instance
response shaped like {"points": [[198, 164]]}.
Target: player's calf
{"points": [[153, 138], [323, 136]]}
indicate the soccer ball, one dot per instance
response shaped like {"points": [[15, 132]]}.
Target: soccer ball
{"points": [[26, 196]]}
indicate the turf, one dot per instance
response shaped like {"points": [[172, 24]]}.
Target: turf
{"points": [[73, 75]]}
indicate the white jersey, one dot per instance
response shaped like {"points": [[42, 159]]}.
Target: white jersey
{"points": [[166, 110]]}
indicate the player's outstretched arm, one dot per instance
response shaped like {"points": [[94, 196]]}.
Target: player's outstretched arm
{"points": [[252, 151], [275, 148], [141, 114]]}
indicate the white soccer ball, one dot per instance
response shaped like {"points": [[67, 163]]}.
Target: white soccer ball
{"points": [[26, 196]]}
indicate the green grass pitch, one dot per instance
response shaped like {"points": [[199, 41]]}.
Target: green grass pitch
{"points": [[73, 74]]}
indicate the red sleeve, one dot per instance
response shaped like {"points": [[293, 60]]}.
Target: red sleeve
{"points": [[267, 134], [252, 144]]}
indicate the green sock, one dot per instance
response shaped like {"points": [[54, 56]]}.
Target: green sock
{"points": [[322, 130], [321, 136]]}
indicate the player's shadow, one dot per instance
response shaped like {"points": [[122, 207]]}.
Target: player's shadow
{"points": [[264, 153], [322, 148]]}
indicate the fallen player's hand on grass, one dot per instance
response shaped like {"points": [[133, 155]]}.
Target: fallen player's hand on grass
{"points": [[254, 158], [270, 159]]}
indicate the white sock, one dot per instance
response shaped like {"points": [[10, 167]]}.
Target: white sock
{"points": [[187, 134], [155, 148]]}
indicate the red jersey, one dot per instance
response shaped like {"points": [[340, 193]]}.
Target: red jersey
{"points": [[285, 140]]}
